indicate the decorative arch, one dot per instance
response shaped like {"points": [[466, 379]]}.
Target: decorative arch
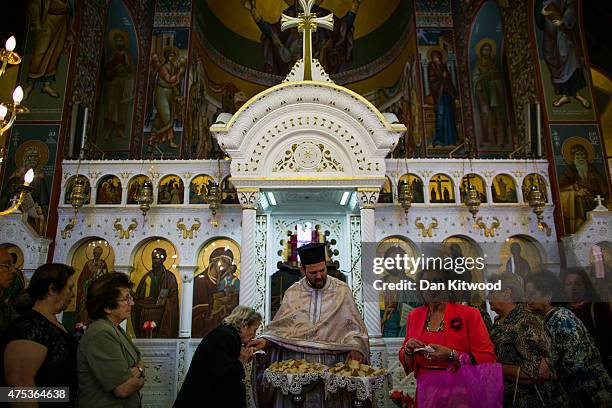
{"points": [[441, 189], [216, 284], [503, 189], [134, 186], [418, 188], [109, 190], [534, 179], [521, 254], [170, 190], [478, 183], [199, 188], [70, 186], [296, 132], [385, 195], [151, 285]]}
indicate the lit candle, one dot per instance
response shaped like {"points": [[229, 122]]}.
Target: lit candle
{"points": [[18, 95], [10, 43], [29, 177], [3, 111]]}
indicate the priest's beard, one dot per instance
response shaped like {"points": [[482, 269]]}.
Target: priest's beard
{"points": [[583, 167], [317, 284]]}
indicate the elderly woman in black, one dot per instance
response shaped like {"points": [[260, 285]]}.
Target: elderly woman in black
{"points": [[216, 371], [39, 351]]}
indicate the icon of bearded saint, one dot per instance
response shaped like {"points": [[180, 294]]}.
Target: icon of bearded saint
{"points": [[579, 184]]}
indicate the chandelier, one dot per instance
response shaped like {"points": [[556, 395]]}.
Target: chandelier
{"points": [[24, 190], [12, 109]]}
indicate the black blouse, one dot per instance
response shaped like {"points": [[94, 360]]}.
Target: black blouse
{"points": [[59, 367]]}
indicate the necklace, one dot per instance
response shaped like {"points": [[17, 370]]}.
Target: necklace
{"points": [[440, 327]]}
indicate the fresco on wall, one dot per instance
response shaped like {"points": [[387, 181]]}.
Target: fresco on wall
{"points": [[117, 81], [405, 99], [492, 107], [478, 183], [92, 259], [441, 189], [565, 78], [385, 195], [245, 40], [199, 188], [581, 172], [109, 190], [396, 305], [441, 108], [520, 255], [70, 186], [503, 189], [170, 190], [229, 195], [49, 42], [157, 290], [134, 187], [216, 286], [31, 147], [20, 282], [531, 180], [417, 186], [166, 105]]}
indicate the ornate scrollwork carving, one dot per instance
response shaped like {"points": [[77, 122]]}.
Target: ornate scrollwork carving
{"points": [[188, 233], [488, 231], [308, 156], [368, 198], [125, 233], [248, 199], [426, 232]]}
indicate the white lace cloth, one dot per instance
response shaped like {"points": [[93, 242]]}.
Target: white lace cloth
{"points": [[364, 387], [291, 383]]}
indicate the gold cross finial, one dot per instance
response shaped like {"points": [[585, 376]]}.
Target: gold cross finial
{"points": [[306, 24]]}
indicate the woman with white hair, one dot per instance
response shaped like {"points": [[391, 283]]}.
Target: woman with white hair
{"points": [[217, 368]]}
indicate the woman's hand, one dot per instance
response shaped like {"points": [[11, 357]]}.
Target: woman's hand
{"points": [[246, 353], [414, 343], [441, 353], [257, 344]]}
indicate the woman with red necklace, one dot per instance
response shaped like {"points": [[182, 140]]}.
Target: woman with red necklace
{"points": [[447, 347]]}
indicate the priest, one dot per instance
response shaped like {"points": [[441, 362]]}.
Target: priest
{"points": [[318, 321]]}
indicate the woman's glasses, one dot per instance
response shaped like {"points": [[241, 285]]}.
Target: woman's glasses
{"points": [[126, 299]]}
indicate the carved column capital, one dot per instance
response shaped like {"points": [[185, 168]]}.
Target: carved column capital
{"points": [[367, 197], [249, 198]]}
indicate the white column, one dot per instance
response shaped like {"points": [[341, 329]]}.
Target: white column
{"points": [[371, 311], [249, 199], [186, 273]]}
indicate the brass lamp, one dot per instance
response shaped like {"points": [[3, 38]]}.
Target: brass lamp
{"points": [[404, 195], [77, 199], [145, 197], [213, 198], [24, 190], [537, 202], [472, 200]]}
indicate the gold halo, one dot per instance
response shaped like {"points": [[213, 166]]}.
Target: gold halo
{"points": [[14, 249], [486, 40], [440, 50], [89, 247], [42, 149], [210, 246], [577, 140], [122, 33], [148, 247]]}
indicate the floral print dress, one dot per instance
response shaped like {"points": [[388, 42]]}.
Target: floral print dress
{"points": [[577, 360]]}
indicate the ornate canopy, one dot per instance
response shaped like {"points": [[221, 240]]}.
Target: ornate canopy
{"points": [[301, 132]]}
